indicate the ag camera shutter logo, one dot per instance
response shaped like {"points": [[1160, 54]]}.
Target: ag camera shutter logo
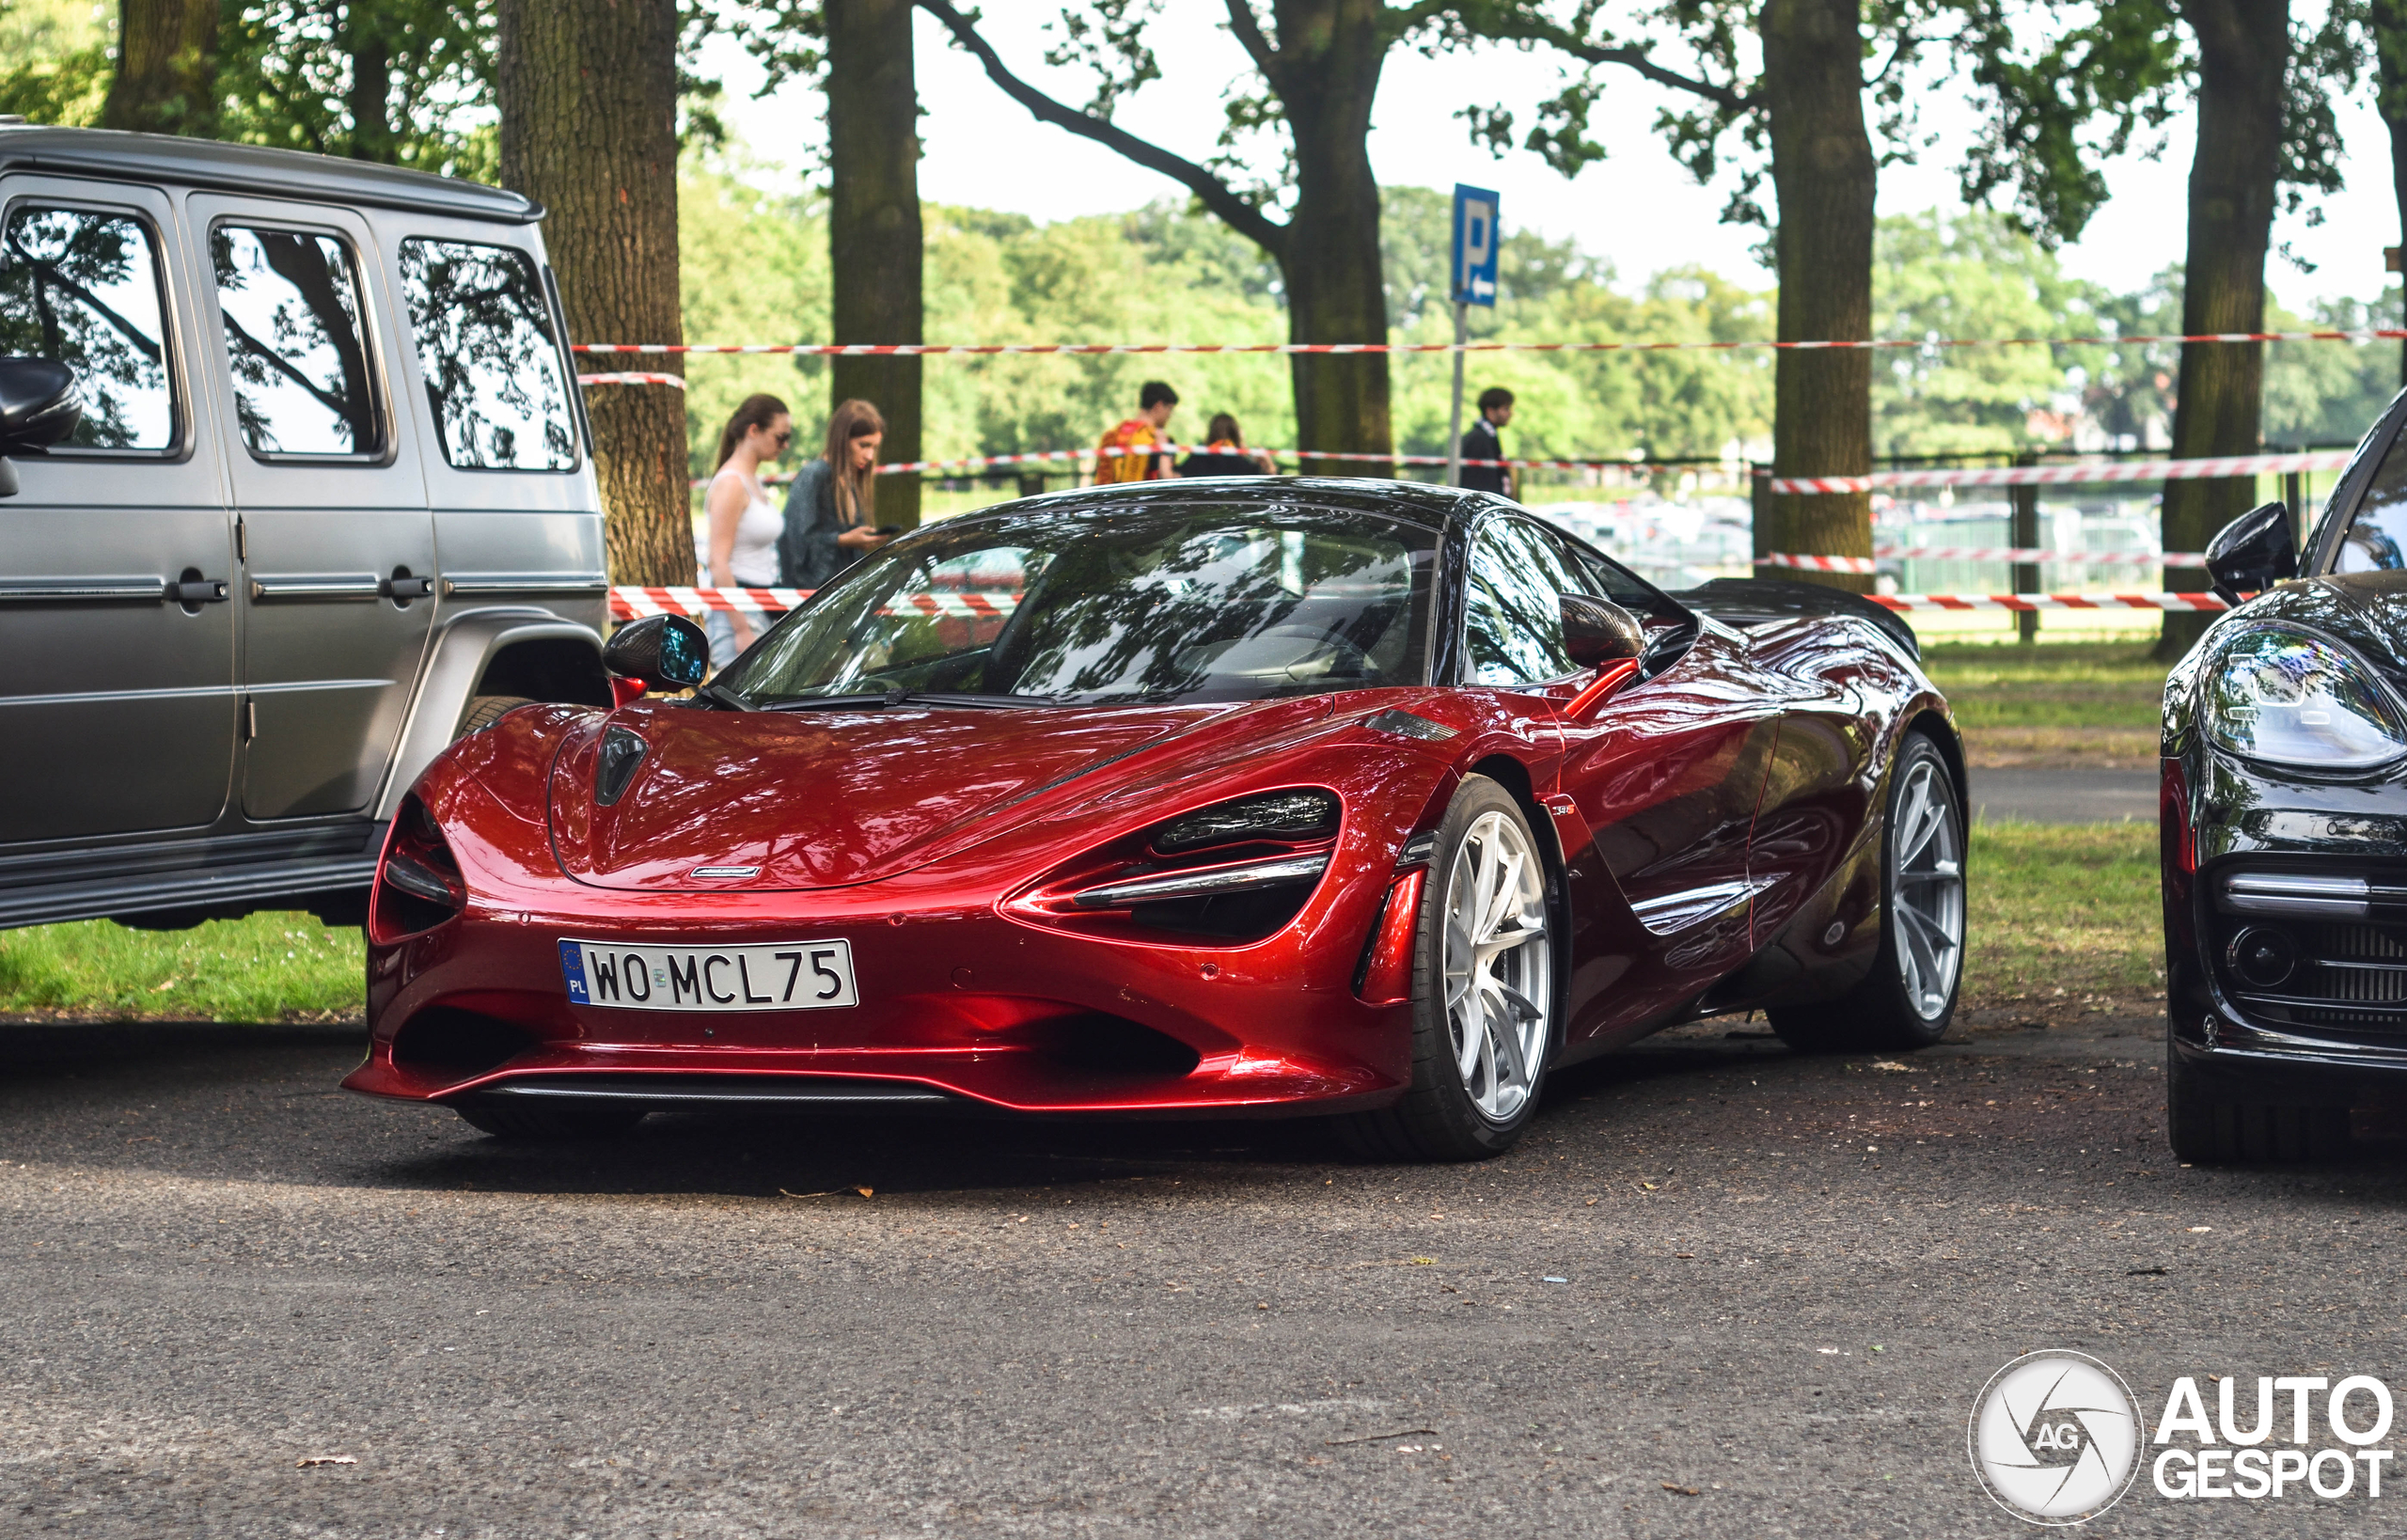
{"points": [[2055, 1437]]}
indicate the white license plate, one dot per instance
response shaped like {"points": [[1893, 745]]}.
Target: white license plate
{"points": [[781, 976]]}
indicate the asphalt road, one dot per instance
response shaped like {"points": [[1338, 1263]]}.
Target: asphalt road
{"points": [[1719, 1291], [2040, 794]]}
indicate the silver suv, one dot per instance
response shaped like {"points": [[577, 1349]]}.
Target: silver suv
{"points": [[328, 506]]}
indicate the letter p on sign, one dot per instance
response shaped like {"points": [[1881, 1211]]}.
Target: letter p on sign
{"points": [[1475, 243]]}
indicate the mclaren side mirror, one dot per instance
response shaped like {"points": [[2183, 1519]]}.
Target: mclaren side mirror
{"points": [[665, 651], [40, 405], [1596, 632], [2251, 553]]}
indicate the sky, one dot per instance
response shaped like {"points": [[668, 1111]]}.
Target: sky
{"points": [[1637, 208]]}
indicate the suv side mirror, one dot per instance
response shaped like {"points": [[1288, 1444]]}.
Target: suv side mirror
{"points": [[666, 652], [2251, 553], [1598, 631], [40, 405]]}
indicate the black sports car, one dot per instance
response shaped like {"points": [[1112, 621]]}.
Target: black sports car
{"points": [[2284, 828]]}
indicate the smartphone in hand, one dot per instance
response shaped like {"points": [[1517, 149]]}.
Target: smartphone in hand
{"points": [[889, 529]]}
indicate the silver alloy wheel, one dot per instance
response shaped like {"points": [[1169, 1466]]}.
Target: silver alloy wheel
{"points": [[1926, 847], [1498, 972]]}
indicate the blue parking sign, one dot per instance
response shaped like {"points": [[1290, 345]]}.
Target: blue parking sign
{"points": [[1475, 243]]}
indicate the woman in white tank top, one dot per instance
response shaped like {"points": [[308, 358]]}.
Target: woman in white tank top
{"points": [[744, 525]]}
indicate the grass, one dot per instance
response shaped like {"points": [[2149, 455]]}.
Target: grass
{"points": [[2063, 909], [2057, 909], [262, 967], [2052, 684]]}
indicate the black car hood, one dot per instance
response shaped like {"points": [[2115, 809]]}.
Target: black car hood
{"points": [[2366, 611], [1744, 602]]}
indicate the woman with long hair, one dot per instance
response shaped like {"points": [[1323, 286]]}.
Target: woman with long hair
{"points": [[741, 523], [831, 513], [1224, 453]]}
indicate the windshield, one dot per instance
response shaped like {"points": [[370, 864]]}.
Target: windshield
{"points": [[1189, 603]]}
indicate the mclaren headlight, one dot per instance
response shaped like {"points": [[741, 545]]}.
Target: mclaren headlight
{"points": [[2294, 698]]}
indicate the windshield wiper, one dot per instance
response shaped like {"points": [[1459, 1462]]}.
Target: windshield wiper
{"points": [[950, 698], [906, 697], [720, 695], [830, 703]]}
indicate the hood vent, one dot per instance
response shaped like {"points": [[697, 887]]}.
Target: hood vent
{"points": [[621, 751]]}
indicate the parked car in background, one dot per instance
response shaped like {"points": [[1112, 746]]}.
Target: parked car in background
{"points": [[328, 505], [2284, 828]]}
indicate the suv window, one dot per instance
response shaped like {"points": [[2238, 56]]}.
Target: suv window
{"points": [[82, 287], [493, 376], [1513, 613], [296, 342]]}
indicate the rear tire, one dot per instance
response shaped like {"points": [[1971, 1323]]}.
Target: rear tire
{"points": [[2207, 1130], [1908, 998], [541, 1125], [1483, 963], [485, 710]]}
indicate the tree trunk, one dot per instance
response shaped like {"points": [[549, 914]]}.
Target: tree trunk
{"points": [[873, 238], [1822, 173], [588, 91], [2389, 21], [167, 68], [1331, 52], [2244, 49], [371, 87]]}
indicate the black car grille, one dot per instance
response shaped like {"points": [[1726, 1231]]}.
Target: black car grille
{"points": [[2290, 949]]}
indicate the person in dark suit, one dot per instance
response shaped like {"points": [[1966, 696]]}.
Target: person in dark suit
{"points": [[1480, 443]]}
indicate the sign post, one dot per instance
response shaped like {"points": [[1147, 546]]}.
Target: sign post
{"points": [[1473, 282]]}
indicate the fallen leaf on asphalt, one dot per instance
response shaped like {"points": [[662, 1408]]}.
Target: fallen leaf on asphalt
{"points": [[1674, 1487], [866, 1192], [2145, 1272], [307, 1460], [1891, 1065], [2200, 1229], [1685, 1256]]}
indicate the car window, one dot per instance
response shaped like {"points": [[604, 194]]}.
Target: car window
{"points": [[295, 342], [82, 287], [493, 373], [1513, 610], [2377, 537], [1241, 602]]}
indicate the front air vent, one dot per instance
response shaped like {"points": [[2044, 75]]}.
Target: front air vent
{"points": [[2286, 965], [622, 753]]}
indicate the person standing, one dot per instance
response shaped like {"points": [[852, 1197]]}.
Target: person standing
{"points": [[1224, 453], [741, 531], [1480, 443], [827, 523], [1148, 431]]}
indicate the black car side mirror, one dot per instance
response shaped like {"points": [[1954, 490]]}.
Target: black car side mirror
{"points": [[1598, 631], [40, 405], [2251, 553], [666, 652]]}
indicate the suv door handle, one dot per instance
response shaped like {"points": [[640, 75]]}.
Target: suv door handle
{"points": [[205, 590], [407, 588]]}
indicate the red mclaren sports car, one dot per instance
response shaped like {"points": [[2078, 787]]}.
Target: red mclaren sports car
{"points": [[1215, 797]]}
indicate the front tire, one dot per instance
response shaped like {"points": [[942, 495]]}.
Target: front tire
{"points": [[1908, 998], [1484, 1006], [485, 710], [2207, 1130]]}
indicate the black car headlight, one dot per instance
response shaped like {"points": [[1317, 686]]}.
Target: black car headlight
{"points": [[1273, 815], [2291, 698]]}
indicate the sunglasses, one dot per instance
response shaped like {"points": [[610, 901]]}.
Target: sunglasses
{"points": [[781, 440]]}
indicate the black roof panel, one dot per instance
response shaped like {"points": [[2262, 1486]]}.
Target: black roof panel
{"points": [[247, 168]]}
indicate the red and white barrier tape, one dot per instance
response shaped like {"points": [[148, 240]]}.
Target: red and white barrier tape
{"points": [[630, 602], [632, 377], [2091, 474], [2048, 600], [935, 350], [1980, 552]]}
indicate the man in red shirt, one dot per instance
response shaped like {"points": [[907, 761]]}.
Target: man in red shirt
{"points": [[1149, 430]]}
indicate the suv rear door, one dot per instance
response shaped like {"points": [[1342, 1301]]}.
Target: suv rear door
{"points": [[337, 542], [119, 702]]}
